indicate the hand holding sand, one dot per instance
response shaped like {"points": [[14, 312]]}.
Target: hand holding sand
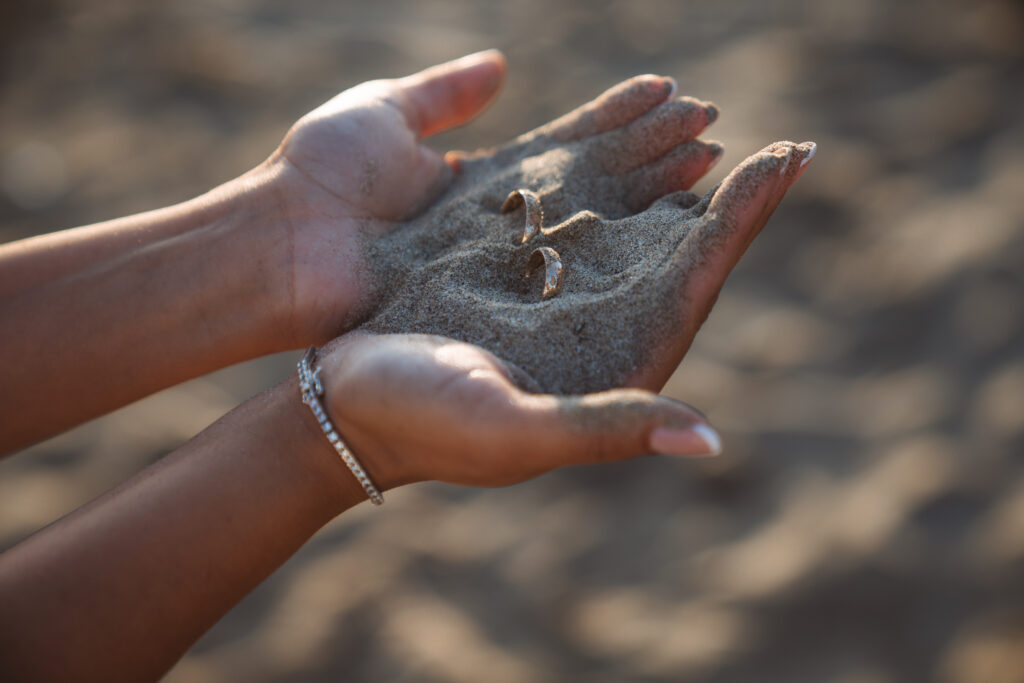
{"points": [[418, 407], [351, 170], [303, 247], [597, 200], [269, 261]]}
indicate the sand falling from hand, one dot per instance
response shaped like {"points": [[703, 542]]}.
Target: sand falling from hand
{"points": [[459, 269]]}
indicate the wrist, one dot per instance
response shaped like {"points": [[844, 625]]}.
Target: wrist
{"points": [[365, 426], [330, 482], [244, 240], [323, 285]]}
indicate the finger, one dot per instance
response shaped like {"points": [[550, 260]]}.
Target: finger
{"points": [[612, 425], [726, 221], [658, 131], [614, 108], [431, 178], [734, 217], [452, 93], [745, 201], [677, 170]]}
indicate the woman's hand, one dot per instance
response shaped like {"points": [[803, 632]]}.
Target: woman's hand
{"points": [[273, 260], [349, 171], [639, 261], [416, 407]]}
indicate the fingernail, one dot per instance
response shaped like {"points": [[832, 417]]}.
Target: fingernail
{"points": [[808, 148], [672, 87], [454, 160], [698, 440], [712, 112], [482, 55], [716, 149]]}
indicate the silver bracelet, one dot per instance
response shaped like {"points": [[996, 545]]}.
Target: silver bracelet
{"points": [[312, 389]]}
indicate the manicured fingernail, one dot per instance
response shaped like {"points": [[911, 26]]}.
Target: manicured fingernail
{"points": [[712, 112], [482, 55], [698, 440], [673, 87], [716, 149], [808, 148], [454, 160]]}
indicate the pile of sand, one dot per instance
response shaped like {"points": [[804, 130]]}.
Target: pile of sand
{"points": [[459, 269]]}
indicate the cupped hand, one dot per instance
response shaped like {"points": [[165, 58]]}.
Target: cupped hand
{"points": [[352, 177], [635, 261], [418, 407], [352, 170]]}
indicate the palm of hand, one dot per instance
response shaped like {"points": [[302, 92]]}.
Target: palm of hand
{"points": [[420, 407], [455, 401], [346, 173], [360, 149], [631, 303]]}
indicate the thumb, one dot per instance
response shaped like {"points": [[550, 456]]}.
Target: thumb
{"points": [[615, 425], [452, 93]]}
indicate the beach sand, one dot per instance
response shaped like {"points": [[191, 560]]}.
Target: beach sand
{"points": [[462, 269], [863, 364]]}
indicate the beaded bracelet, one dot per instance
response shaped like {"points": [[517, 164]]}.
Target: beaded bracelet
{"points": [[312, 388]]}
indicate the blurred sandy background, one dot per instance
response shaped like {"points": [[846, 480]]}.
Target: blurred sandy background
{"points": [[866, 524]]}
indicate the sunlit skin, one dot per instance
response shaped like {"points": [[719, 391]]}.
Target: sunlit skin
{"points": [[106, 314], [267, 262]]}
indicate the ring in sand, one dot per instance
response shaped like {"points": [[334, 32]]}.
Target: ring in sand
{"points": [[552, 270]]}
